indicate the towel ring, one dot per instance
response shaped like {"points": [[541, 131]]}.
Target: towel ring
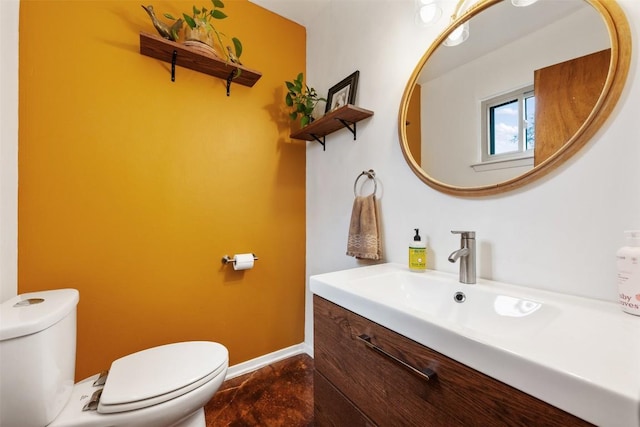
{"points": [[369, 174]]}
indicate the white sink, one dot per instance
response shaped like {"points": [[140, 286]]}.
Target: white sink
{"points": [[581, 355]]}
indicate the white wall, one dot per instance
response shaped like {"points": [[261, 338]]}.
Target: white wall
{"points": [[8, 148], [560, 233]]}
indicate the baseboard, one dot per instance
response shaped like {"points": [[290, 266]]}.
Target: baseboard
{"points": [[267, 359]]}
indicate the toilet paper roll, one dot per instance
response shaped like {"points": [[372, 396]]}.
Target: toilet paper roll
{"points": [[243, 261]]}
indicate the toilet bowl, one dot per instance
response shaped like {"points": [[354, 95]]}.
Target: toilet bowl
{"points": [[165, 386]]}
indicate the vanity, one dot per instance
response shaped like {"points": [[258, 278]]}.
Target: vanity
{"points": [[393, 347]]}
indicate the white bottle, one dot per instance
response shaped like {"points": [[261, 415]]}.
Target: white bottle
{"points": [[628, 263]]}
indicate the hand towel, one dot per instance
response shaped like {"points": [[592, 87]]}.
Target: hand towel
{"points": [[364, 232]]}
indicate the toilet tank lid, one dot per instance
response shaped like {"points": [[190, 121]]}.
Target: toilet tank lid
{"points": [[33, 312]]}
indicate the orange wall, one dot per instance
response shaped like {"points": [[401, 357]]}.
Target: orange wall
{"points": [[132, 188]]}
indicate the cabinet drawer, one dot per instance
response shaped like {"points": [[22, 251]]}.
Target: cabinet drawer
{"points": [[332, 408], [392, 395]]}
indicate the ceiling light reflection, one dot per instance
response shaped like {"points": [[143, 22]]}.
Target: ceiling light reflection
{"points": [[458, 36], [523, 3], [514, 307], [428, 12]]}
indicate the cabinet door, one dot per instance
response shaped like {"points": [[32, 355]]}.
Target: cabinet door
{"points": [[566, 94], [392, 395]]}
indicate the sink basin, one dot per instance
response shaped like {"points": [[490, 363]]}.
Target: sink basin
{"points": [[579, 354], [477, 310]]}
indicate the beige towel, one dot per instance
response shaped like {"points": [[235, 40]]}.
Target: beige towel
{"points": [[364, 232]]}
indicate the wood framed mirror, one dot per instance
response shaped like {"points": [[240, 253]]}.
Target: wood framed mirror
{"points": [[567, 61]]}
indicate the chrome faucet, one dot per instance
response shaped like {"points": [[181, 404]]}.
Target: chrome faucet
{"points": [[467, 256]]}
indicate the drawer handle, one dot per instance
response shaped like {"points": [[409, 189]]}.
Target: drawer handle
{"points": [[427, 374]]}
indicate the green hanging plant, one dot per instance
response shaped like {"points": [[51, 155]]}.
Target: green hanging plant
{"points": [[302, 99], [200, 27]]}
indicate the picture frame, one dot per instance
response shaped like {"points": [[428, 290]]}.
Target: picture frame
{"points": [[343, 93]]}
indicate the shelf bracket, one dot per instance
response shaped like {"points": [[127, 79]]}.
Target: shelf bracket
{"points": [[348, 126], [174, 56], [231, 76], [320, 141]]}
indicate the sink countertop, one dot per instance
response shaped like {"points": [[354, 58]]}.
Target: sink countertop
{"points": [[579, 354]]}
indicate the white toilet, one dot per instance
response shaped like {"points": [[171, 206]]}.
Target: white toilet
{"points": [[164, 386]]}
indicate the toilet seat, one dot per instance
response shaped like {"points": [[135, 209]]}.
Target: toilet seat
{"points": [[159, 374]]}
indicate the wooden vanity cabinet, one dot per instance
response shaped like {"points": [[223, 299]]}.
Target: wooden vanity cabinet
{"points": [[356, 385]]}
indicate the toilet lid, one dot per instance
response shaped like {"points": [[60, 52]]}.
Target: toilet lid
{"points": [[158, 374]]}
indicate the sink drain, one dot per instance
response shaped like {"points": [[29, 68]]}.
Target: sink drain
{"points": [[459, 297]]}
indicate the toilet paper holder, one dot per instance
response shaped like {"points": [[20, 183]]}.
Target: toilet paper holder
{"points": [[227, 259]]}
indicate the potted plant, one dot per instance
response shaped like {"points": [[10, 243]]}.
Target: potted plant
{"points": [[302, 99], [201, 29]]}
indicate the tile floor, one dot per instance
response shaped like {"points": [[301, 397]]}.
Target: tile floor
{"points": [[277, 395]]}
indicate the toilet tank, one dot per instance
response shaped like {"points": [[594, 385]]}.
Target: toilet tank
{"points": [[37, 356]]}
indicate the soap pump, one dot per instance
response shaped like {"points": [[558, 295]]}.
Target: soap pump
{"points": [[417, 253]]}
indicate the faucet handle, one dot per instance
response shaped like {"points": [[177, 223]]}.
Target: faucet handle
{"points": [[465, 234]]}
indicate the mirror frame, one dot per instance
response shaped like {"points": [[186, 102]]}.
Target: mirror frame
{"points": [[620, 38]]}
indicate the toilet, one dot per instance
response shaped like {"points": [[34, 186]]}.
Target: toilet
{"points": [[165, 386]]}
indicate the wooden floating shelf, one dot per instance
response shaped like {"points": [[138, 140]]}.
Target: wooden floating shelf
{"points": [[195, 59], [332, 121]]}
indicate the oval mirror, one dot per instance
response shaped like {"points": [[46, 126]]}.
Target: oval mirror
{"points": [[520, 96]]}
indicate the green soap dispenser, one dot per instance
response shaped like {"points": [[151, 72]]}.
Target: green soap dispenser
{"points": [[417, 253]]}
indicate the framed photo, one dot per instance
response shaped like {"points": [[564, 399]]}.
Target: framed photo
{"points": [[343, 93]]}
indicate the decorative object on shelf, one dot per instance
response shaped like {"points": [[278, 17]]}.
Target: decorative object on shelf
{"points": [[200, 29], [339, 111], [200, 33], [166, 31], [232, 56], [302, 98], [343, 93]]}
